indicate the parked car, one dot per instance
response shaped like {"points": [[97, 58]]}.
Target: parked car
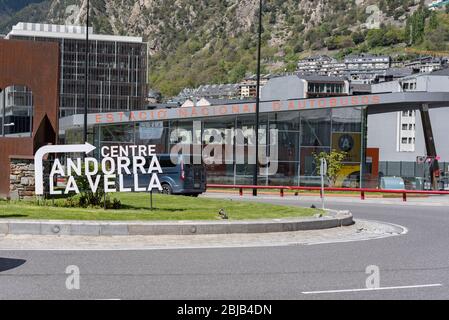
{"points": [[392, 183], [179, 178], [314, 181]]}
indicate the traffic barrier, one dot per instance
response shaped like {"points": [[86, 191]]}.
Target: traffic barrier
{"points": [[363, 192]]}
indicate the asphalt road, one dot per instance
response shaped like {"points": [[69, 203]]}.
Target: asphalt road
{"points": [[411, 266]]}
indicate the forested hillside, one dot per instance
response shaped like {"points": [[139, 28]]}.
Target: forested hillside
{"points": [[214, 41]]}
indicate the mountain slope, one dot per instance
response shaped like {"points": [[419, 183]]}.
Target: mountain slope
{"points": [[201, 41], [11, 6], [13, 11]]}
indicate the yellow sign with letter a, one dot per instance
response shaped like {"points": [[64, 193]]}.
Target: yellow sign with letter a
{"points": [[351, 143]]}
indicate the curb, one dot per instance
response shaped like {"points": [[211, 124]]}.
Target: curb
{"points": [[108, 228]]}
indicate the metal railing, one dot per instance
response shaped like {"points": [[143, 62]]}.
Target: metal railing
{"points": [[362, 192]]}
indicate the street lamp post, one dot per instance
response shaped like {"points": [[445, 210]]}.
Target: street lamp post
{"points": [[86, 90], [259, 49]]}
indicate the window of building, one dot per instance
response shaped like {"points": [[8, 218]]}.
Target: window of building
{"points": [[406, 139], [16, 111]]}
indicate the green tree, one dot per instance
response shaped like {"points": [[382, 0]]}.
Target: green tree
{"points": [[375, 38], [386, 36], [358, 37], [433, 21], [87, 196], [237, 73], [334, 163], [416, 25]]}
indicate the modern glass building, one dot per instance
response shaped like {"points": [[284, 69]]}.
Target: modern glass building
{"points": [[299, 136], [305, 126], [117, 67]]}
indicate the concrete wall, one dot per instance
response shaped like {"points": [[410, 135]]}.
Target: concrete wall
{"points": [[424, 83], [437, 83], [284, 88], [382, 134], [383, 87]]}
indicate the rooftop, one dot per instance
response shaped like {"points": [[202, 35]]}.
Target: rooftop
{"points": [[223, 102], [365, 56], [361, 87], [217, 88], [316, 77], [209, 90], [168, 105], [399, 72], [262, 76], [65, 32], [442, 72], [318, 58], [426, 59]]}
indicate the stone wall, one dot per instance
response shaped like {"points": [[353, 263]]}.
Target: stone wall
{"points": [[21, 179]]}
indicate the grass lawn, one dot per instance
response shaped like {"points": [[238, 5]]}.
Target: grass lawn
{"points": [[136, 206]]}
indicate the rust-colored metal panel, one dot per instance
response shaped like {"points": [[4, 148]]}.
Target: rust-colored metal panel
{"points": [[35, 65]]}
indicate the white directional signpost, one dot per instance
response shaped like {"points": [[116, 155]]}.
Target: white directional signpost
{"points": [[323, 172], [116, 164], [39, 170]]}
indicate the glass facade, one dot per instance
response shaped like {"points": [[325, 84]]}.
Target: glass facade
{"points": [[326, 88], [117, 75], [16, 112], [299, 136]]}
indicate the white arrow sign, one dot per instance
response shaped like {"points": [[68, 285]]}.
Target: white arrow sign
{"points": [[38, 157]]}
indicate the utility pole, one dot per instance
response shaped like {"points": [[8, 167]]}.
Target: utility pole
{"points": [[259, 49], [86, 75]]}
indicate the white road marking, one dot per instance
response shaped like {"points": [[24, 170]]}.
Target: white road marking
{"points": [[375, 289]]}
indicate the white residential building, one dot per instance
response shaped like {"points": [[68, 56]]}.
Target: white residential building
{"points": [[364, 68], [399, 135], [406, 129], [321, 65]]}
